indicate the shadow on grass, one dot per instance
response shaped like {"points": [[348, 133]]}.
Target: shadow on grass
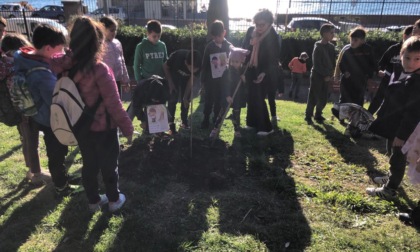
{"points": [[352, 152], [357, 152], [171, 195], [19, 226], [10, 152], [22, 189]]}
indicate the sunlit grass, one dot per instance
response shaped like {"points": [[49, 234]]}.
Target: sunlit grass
{"points": [[305, 184]]}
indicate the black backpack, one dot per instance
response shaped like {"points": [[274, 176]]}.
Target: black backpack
{"points": [[151, 91], [8, 114]]}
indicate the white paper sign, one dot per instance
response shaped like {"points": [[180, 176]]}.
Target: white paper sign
{"points": [[218, 64], [157, 118]]}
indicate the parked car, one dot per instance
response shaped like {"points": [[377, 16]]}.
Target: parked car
{"points": [[116, 12], [52, 12], [308, 23], [11, 10], [347, 26], [165, 27], [395, 28], [17, 25]]}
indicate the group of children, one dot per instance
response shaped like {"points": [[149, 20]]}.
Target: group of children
{"points": [[398, 97], [222, 68], [41, 62], [231, 77]]}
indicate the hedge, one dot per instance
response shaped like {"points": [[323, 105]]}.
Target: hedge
{"points": [[293, 43]]}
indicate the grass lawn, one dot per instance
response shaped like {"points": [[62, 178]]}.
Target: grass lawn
{"points": [[299, 189]]}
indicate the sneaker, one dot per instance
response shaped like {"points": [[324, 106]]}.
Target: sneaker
{"points": [[98, 206], [309, 120], [381, 180], [406, 218], [213, 133], [40, 178], [68, 190], [319, 119], [115, 206], [205, 124], [382, 192], [264, 133]]}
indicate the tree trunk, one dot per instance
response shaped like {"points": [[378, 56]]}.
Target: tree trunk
{"points": [[218, 9]]}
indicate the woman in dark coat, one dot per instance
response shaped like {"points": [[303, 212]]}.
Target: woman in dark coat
{"points": [[262, 71]]}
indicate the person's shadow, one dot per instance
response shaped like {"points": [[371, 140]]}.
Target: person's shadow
{"points": [[174, 199], [351, 151]]}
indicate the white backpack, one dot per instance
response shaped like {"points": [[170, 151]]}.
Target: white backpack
{"points": [[70, 118]]}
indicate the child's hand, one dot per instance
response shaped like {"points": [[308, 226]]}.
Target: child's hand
{"points": [[229, 99], [397, 142], [381, 74], [346, 74], [260, 78]]}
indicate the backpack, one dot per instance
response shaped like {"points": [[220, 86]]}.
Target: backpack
{"points": [[8, 114], [70, 118], [151, 91], [20, 95]]}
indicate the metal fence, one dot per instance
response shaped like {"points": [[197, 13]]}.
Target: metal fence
{"points": [[376, 14]]}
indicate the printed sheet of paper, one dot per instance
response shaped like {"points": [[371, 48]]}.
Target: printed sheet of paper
{"points": [[157, 118], [218, 64]]}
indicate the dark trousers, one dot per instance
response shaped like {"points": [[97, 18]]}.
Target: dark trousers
{"points": [[318, 95], [173, 100], [30, 141], [257, 113], [236, 118], [295, 87], [212, 100], [352, 90], [397, 163], [271, 96], [100, 152], [379, 96], [56, 153]]}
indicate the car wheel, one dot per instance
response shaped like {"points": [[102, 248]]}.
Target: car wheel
{"points": [[61, 19]]}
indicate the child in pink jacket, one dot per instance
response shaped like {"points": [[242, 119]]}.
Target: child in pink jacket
{"points": [[100, 151]]}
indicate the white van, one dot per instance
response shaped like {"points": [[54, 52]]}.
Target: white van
{"points": [[17, 25]]}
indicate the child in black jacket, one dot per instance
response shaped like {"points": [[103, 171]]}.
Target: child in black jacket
{"points": [[398, 121]]}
